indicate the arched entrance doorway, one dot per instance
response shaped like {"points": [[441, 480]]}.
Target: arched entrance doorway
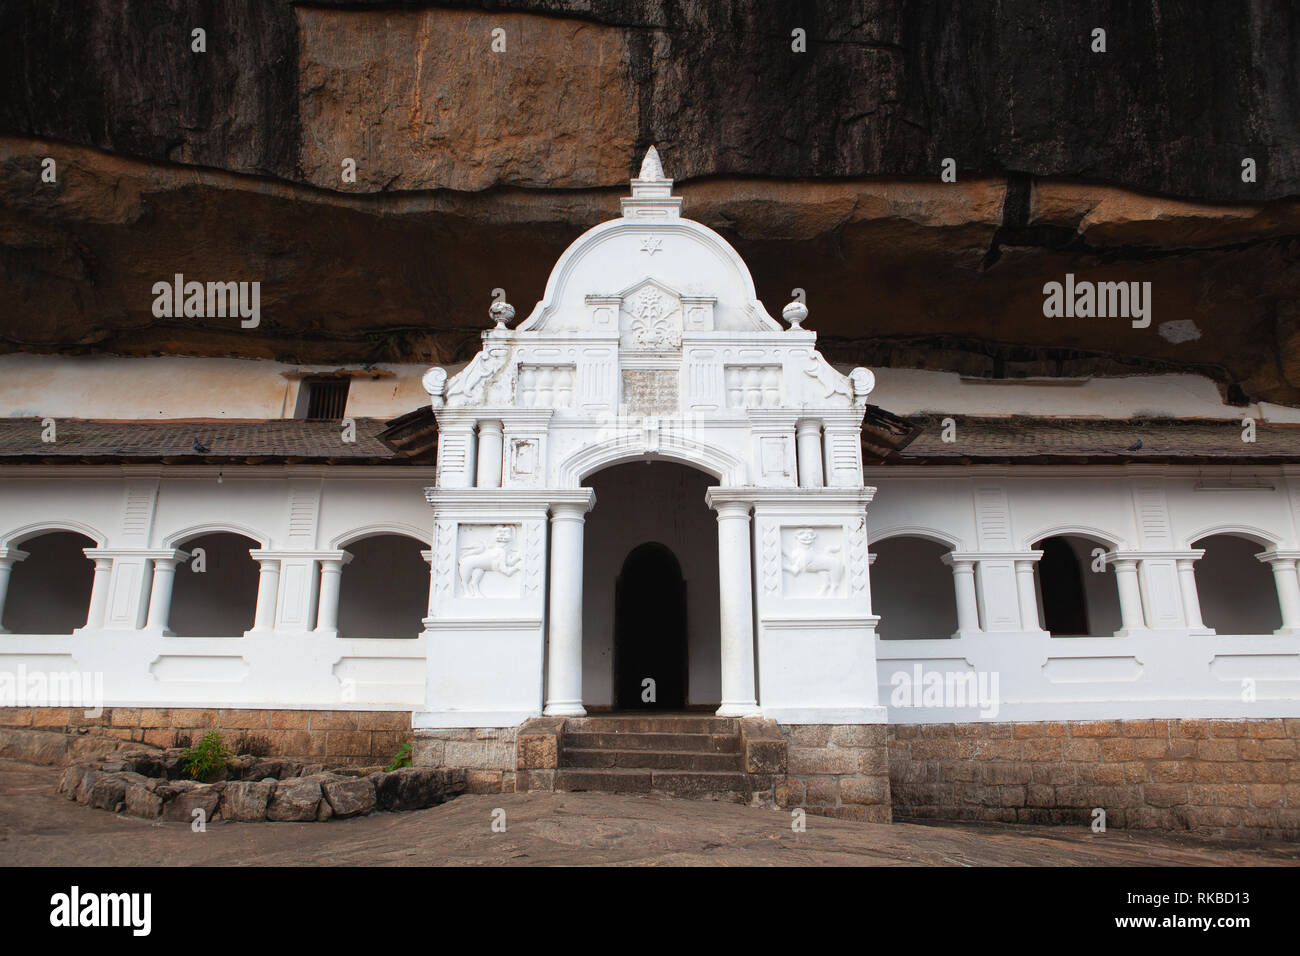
{"points": [[650, 631], [650, 589]]}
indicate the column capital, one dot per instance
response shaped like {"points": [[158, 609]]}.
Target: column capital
{"points": [[270, 554], [1277, 556], [169, 561], [973, 556], [793, 501], [731, 510], [151, 553], [572, 505], [9, 555], [1186, 554]]}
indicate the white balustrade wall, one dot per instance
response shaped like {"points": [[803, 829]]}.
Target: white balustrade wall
{"points": [[1161, 663], [300, 520]]}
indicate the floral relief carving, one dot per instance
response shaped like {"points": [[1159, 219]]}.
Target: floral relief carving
{"points": [[652, 326]]}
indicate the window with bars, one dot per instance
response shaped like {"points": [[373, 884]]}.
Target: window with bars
{"points": [[327, 398]]}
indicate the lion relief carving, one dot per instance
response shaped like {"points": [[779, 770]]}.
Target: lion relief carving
{"points": [[497, 557], [804, 556]]}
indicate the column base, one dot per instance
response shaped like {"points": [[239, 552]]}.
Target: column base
{"points": [[738, 709], [565, 708]]}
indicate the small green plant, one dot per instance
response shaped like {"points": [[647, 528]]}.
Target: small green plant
{"points": [[403, 759], [206, 761]]}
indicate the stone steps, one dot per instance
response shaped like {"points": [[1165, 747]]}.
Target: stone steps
{"points": [[682, 755], [650, 759], [672, 742], [653, 723], [733, 785]]}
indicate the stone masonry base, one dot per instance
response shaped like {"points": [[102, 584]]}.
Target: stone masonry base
{"points": [[837, 770], [1220, 776], [1209, 775], [340, 737]]}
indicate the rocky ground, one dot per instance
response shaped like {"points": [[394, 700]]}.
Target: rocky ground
{"points": [[37, 827]]}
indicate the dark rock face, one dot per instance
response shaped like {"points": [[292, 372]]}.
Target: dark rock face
{"points": [[476, 169], [122, 77], [886, 88]]}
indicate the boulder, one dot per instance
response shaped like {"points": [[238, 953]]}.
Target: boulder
{"points": [[414, 788], [246, 801], [70, 779], [108, 791], [34, 746], [349, 796], [84, 784], [180, 808], [296, 799], [273, 767], [142, 801]]}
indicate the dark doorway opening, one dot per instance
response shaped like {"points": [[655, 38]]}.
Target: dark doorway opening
{"points": [[650, 630], [1065, 606]]}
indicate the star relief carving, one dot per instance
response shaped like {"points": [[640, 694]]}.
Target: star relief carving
{"points": [[651, 244]]}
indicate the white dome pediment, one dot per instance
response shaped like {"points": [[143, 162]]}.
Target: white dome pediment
{"points": [[650, 239], [649, 341]]}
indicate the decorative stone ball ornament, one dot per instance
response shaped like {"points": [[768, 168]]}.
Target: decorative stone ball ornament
{"points": [[501, 313], [794, 313]]}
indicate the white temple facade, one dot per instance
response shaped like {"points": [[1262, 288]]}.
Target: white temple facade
{"points": [[649, 345], [647, 445]]}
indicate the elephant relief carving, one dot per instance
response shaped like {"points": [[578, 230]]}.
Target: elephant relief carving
{"points": [[804, 556], [498, 557]]}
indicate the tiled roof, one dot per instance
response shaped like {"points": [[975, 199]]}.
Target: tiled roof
{"points": [[173, 441], [410, 438], [1023, 438]]}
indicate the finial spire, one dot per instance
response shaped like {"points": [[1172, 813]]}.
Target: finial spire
{"points": [[652, 170], [652, 196]]}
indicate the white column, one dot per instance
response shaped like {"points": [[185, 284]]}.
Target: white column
{"points": [[428, 559], [1130, 594], [489, 454], [99, 592], [8, 557], [331, 574], [268, 583], [1027, 595], [963, 582], [808, 443], [1191, 598], [160, 593], [1288, 586], [736, 597], [564, 645]]}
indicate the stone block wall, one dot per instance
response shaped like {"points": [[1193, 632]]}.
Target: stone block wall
{"points": [[339, 737], [1213, 775], [837, 770], [486, 754]]}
